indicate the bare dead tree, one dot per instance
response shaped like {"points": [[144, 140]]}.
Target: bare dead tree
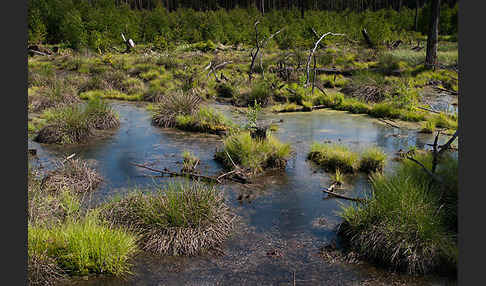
{"points": [[259, 46], [437, 151], [311, 53]]}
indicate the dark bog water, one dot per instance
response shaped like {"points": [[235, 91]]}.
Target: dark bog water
{"points": [[284, 219]]}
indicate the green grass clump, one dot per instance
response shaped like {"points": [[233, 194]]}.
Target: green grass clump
{"points": [[189, 161], [428, 126], [329, 80], [372, 159], [110, 94], [183, 219], [174, 105], [84, 246], [225, 90], [286, 107], [334, 156], [75, 124], [261, 92], [444, 121], [206, 120], [405, 224], [253, 154]]}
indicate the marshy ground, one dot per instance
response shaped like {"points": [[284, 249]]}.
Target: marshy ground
{"points": [[284, 220]]}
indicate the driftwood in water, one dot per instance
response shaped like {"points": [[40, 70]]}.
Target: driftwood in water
{"points": [[367, 39], [181, 174], [344, 197], [391, 124]]}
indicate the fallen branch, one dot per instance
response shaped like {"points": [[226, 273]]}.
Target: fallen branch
{"points": [[181, 174], [391, 124], [38, 53], [427, 109], [447, 90], [344, 197]]}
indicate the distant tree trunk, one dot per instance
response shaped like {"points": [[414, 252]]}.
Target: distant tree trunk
{"points": [[263, 7], [302, 8], [432, 39], [417, 4]]}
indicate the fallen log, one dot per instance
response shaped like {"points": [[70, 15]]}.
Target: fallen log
{"points": [[317, 70]]}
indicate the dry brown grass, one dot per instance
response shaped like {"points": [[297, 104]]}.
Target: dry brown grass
{"points": [[43, 270], [75, 175]]}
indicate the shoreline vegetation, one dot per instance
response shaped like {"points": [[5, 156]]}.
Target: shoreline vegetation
{"points": [[66, 238], [182, 61]]}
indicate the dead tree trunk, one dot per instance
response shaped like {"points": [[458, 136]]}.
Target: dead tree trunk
{"points": [[311, 53], [367, 39], [432, 39], [258, 49], [416, 15]]}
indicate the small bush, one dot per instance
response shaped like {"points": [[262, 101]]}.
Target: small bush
{"points": [[183, 219], [225, 90], [261, 92], [372, 159], [333, 156]]}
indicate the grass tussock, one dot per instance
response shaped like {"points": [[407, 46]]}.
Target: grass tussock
{"points": [[406, 224], [75, 124], [206, 120], [334, 156], [66, 239], [183, 219], [57, 93], [372, 159], [189, 162], [253, 154], [111, 94], [75, 175], [80, 247], [175, 104]]}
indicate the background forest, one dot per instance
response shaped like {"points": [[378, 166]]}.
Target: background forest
{"points": [[97, 24]]}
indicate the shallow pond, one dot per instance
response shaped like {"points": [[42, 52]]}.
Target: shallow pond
{"points": [[284, 218]]}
